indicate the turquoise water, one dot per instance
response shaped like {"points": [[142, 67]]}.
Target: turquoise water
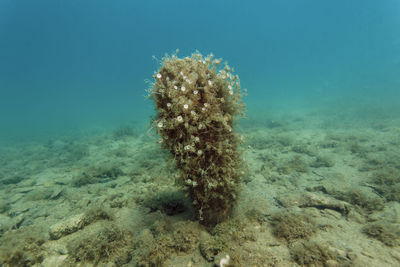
{"points": [[76, 65], [83, 181]]}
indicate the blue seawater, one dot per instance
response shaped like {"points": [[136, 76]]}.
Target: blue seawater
{"points": [[78, 65]]}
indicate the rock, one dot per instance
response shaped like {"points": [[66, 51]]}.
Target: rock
{"points": [[395, 254], [18, 221], [56, 193], [54, 247], [356, 217], [67, 227], [333, 213], [84, 202], [24, 190], [317, 188], [15, 197], [5, 223], [318, 201], [4, 206], [331, 263], [55, 260]]}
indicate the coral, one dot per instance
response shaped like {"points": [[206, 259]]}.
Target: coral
{"points": [[197, 104]]}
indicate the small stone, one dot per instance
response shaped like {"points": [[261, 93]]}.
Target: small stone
{"points": [[55, 260], [331, 263]]}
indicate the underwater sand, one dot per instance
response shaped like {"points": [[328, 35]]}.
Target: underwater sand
{"points": [[322, 189]]}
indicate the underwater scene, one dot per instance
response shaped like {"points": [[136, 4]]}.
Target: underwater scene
{"points": [[200, 133]]}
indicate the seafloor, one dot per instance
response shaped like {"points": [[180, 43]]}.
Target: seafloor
{"points": [[322, 189]]}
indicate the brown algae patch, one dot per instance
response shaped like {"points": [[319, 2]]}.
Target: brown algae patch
{"points": [[292, 225]]}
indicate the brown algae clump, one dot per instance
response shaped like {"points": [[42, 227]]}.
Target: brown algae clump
{"points": [[387, 233], [309, 253], [197, 103], [292, 226]]}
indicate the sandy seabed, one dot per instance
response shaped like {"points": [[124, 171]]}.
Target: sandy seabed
{"points": [[322, 189]]}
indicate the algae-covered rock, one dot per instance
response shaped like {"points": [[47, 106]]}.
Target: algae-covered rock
{"points": [[77, 222], [67, 227], [314, 200]]}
